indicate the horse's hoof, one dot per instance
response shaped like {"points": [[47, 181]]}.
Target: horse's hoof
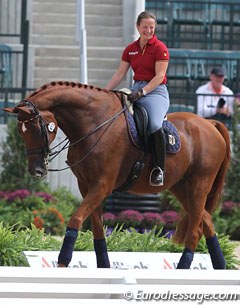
{"points": [[60, 265], [186, 259]]}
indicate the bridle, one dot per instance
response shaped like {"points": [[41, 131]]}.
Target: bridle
{"points": [[46, 151]]}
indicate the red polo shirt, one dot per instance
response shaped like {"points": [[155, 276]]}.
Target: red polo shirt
{"points": [[143, 61]]}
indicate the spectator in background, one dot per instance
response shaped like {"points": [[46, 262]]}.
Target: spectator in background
{"points": [[213, 101]]}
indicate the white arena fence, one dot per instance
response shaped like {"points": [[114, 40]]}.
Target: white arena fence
{"points": [[57, 286]]}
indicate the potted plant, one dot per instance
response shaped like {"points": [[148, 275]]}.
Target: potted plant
{"points": [[170, 220], [50, 219], [130, 219], [228, 208], [151, 220], [110, 221], [231, 186], [230, 213]]}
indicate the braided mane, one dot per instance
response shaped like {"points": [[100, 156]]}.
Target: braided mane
{"points": [[63, 83]]}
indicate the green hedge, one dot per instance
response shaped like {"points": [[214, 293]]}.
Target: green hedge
{"points": [[14, 242]]}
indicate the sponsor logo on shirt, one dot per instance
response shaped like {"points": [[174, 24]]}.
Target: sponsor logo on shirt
{"points": [[133, 53]]}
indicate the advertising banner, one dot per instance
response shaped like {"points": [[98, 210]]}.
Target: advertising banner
{"points": [[118, 260]]}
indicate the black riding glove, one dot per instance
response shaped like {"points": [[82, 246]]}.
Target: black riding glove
{"points": [[136, 95]]}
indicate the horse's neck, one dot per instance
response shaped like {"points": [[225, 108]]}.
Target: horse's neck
{"points": [[77, 113]]}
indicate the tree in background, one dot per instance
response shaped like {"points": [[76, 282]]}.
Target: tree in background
{"points": [[232, 189], [14, 173]]}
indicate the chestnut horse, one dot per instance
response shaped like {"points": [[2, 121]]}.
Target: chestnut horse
{"points": [[101, 156]]}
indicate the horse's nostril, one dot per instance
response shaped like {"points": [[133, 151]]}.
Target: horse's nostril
{"points": [[39, 173]]}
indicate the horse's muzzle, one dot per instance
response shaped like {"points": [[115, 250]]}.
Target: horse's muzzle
{"points": [[38, 172], [38, 167]]}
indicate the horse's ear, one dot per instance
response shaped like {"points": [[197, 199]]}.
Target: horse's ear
{"points": [[18, 109], [9, 109]]}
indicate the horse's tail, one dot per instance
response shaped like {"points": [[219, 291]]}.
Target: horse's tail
{"points": [[214, 194]]}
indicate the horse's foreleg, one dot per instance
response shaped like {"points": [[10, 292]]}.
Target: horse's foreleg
{"points": [[65, 254], [100, 245], [212, 242], [87, 207]]}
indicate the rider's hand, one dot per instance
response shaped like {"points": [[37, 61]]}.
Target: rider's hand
{"points": [[135, 95], [224, 110]]}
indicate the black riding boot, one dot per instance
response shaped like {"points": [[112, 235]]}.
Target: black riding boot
{"points": [[158, 147]]}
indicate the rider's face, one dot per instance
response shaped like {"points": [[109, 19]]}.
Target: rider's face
{"points": [[146, 28]]}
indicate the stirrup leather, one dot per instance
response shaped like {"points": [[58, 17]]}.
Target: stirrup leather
{"points": [[160, 174]]}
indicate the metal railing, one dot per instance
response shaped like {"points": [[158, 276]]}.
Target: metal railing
{"points": [[14, 39], [13, 14], [205, 24], [188, 69], [10, 97]]}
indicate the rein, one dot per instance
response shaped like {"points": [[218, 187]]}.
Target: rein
{"points": [[110, 120], [48, 152]]}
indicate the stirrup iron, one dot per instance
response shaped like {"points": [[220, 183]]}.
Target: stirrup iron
{"points": [[161, 173]]}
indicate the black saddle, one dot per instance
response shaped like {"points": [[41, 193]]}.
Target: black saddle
{"points": [[139, 134], [141, 120]]}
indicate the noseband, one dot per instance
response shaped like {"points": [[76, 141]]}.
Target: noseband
{"points": [[45, 150]]}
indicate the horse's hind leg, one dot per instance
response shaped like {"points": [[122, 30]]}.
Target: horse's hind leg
{"points": [[100, 246], [213, 246], [212, 242], [190, 229], [193, 235], [198, 221], [215, 251]]}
